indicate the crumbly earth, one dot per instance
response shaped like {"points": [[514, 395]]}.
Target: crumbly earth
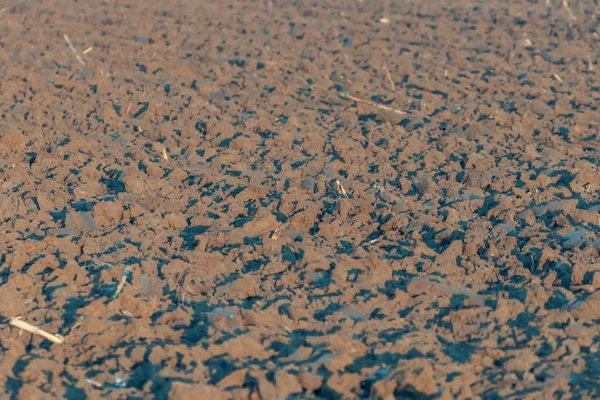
{"points": [[300, 199]]}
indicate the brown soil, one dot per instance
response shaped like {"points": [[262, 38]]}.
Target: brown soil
{"points": [[199, 153]]}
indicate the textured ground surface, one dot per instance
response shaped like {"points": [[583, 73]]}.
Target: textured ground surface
{"points": [[195, 152]]}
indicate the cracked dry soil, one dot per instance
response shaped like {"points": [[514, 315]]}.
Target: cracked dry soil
{"points": [[192, 150]]}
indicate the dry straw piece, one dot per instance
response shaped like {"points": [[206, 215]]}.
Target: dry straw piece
{"points": [[73, 49], [340, 188], [371, 103], [389, 78], [34, 330], [122, 283], [276, 234]]}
